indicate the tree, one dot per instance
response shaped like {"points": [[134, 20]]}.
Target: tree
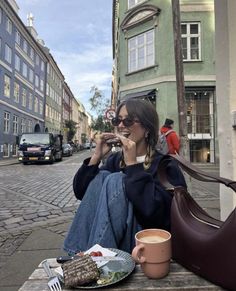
{"points": [[100, 125], [71, 125], [99, 104]]}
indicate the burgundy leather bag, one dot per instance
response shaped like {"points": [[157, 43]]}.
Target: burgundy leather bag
{"points": [[201, 243]]}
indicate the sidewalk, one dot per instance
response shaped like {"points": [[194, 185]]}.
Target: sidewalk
{"points": [[8, 161], [28, 248]]}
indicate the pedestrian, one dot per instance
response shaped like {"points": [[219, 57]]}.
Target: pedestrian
{"points": [[123, 195], [171, 136]]}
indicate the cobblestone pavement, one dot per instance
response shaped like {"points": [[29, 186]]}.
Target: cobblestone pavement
{"points": [[41, 196], [35, 196]]}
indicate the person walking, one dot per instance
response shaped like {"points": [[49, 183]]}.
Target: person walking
{"points": [[171, 136], [123, 195]]}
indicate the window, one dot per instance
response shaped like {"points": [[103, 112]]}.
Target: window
{"points": [[16, 92], [23, 125], [191, 41], [14, 149], [36, 105], [30, 126], [15, 124], [31, 75], [8, 53], [41, 84], [9, 25], [17, 37], [132, 3], [7, 85], [17, 63], [5, 150], [6, 123], [141, 51], [24, 97], [25, 45], [36, 80], [37, 60], [31, 53], [41, 107], [42, 66], [30, 101], [24, 70]]}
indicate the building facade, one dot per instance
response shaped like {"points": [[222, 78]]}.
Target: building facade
{"points": [[22, 81], [54, 97], [144, 64], [34, 96]]}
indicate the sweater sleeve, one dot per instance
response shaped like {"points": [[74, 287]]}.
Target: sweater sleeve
{"points": [[86, 174], [83, 177], [150, 200]]}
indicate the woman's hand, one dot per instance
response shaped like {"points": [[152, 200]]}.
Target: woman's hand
{"points": [[129, 150], [101, 147]]}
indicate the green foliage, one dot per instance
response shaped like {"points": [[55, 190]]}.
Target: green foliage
{"points": [[98, 102], [71, 125], [99, 124]]}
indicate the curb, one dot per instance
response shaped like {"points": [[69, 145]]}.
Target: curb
{"points": [[8, 162]]}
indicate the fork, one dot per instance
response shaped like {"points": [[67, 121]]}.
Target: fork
{"points": [[53, 283]]}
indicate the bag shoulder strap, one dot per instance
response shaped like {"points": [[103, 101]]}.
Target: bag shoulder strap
{"points": [[168, 132], [192, 170]]}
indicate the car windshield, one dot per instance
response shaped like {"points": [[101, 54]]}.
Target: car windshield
{"points": [[34, 139]]}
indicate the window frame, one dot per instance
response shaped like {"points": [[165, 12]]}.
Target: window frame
{"points": [[136, 49], [15, 124], [7, 86], [6, 122], [188, 36], [16, 92], [9, 26], [8, 53]]}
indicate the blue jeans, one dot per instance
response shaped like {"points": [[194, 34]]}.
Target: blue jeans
{"points": [[105, 216]]}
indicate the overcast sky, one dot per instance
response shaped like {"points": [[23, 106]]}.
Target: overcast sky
{"points": [[79, 36]]}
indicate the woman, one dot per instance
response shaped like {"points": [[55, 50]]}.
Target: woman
{"points": [[122, 196]]}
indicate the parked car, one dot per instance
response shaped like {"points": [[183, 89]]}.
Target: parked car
{"points": [[67, 150], [86, 145]]}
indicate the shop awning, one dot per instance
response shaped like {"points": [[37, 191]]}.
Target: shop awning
{"points": [[141, 94]]}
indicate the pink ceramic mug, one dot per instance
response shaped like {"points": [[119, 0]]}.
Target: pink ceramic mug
{"points": [[153, 252]]}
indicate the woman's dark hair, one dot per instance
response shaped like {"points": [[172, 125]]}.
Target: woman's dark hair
{"points": [[145, 112]]}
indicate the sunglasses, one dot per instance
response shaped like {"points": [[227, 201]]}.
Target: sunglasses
{"points": [[126, 121]]}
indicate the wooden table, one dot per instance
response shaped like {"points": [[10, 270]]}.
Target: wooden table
{"points": [[178, 279]]}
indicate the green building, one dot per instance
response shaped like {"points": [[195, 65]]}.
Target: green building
{"points": [[144, 64]]}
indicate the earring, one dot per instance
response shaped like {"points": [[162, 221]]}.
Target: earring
{"points": [[146, 134]]}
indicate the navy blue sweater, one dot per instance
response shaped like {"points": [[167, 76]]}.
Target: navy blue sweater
{"points": [[150, 200]]}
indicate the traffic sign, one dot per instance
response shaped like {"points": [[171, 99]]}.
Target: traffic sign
{"points": [[110, 113]]}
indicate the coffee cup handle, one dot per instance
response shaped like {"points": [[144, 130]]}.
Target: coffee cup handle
{"points": [[136, 254]]}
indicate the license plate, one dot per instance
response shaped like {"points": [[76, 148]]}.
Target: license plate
{"points": [[33, 159]]}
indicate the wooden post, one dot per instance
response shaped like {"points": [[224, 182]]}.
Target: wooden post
{"points": [[184, 149]]}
